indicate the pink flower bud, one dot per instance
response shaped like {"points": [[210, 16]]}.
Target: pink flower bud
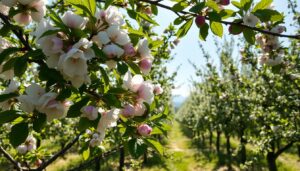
{"points": [[129, 50], [144, 130], [145, 65], [139, 109], [200, 20], [225, 2], [38, 162], [148, 10], [128, 111], [23, 18], [158, 90]]}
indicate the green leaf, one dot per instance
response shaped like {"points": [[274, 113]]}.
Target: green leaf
{"points": [[99, 53], [216, 28], [116, 91], [18, 134], [104, 76], [122, 68], [136, 148], [183, 30], [155, 145], [50, 32], [108, 3], [64, 94], [134, 67], [86, 154], [112, 101], [8, 116], [6, 52], [4, 97], [89, 4], [213, 5], [265, 15], [197, 8], [178, 21], [236, 4], [180, 6], [50, 74], [203, 32], [39, 122], [147, 18], [246, 4], [20, 66], [74, 110], [263, 4], [249, 35], [154, 9]]}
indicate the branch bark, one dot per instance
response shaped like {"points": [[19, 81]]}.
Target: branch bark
{"points": [[289, 145], [10, 158], [223, 22]]}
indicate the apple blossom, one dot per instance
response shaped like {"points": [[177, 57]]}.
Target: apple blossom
{"points": [[85, 46], [111, 64], [101, 39], [113, 16], [139, 109], [12, 87], [40, 8], [144, 130], [129, 50], [89, 112], [73, 20], [108, 119], [158, 90], [112, 50], [22, 149], [23, 18], [118, 35], [128, 111], [278, 29], [132, 83], [9, 3], [143, 49], [145, 92], [250, 20], [4, 9], [145, 66], [96, 139], [51, 107]]}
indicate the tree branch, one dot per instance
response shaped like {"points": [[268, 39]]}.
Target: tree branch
{"points": [[223, 22], [102, 156], [60, 153], [10, 158], [289, 145], [17, 32]]}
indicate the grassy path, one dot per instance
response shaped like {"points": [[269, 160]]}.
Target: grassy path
{"points": [[181, 157]]}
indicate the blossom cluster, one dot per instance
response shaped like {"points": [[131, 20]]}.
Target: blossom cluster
{"points": [[30, 10], [27, 146], [36, 98], [272, 54]]}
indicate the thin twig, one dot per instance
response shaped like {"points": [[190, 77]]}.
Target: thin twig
{"points": [[223, 22], [10, 158]]}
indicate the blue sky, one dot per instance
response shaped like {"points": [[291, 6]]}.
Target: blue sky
{"points": [[188, 48]]}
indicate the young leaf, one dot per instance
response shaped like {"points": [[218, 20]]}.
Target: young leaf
{"points": [[183, 30], [216, 28], [74, 110], [155, 145], [8, 116], [4, 97], [6, 52], [180, 6], [249, 35], [203, 33], [263, 4], [39, 122], [20, 66], [86, 154], [18, 134]]}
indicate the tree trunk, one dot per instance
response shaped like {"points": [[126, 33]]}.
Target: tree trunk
{"points": [[97, 164], [298, 147], [218, 142], [243, 150], [203, 140], [210, 139], [271, 161], [228, 152], [145, 157], [122, 158]]}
